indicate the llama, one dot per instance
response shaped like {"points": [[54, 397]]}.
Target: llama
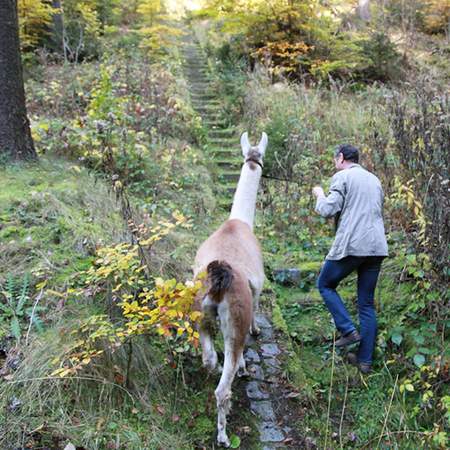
{"points": [[232, 259]]}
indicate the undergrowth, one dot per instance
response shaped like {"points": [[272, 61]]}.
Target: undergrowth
{"points": [[404, 402]]}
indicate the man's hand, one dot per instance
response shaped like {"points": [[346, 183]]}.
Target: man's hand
{"points": [[318, 192]]}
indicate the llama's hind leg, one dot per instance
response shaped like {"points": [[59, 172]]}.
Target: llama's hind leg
{"points": [[223, 397], [233, 351], [206, 332], [256, 293]]}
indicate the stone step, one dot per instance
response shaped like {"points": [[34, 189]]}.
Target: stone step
{"points": [[224, 153], [223, 133], [193, 53], [195, 71], [196, 62], [226, 206], [208, 109], [202, 97], [200, 83], [230, 188], [197, 77], [215, 124], [221, 142], [229, 163], [196, 68], [197, 89], [211, 116], [214, 102], [203, 91], [229, 176]]}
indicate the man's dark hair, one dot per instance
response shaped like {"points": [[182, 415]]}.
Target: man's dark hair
{"points": [[349, 152]]}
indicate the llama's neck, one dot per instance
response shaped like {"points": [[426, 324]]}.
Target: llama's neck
{"points": [[244, 203]]}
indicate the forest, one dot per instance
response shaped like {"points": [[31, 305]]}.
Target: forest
{"points": [[123, 148]]}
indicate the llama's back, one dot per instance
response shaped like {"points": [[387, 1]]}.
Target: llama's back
{"points": [[235, 243]]}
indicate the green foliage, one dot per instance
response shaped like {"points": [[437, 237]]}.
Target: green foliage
{"points": [[437, 16], [119, 119], [34, 19], [304, 39], [16, 308], [384, 62]]}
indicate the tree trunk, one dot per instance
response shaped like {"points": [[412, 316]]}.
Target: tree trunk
{"points": [[57, 27], [15, 135], [364, 10]]}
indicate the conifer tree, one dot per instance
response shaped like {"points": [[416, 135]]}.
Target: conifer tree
{"points": [[15, 135]]}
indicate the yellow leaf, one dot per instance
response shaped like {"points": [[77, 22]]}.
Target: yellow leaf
{"points": [[195, 315]]}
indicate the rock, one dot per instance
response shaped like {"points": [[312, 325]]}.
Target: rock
{"points": [[270, 432], [251, 356], [254, 391], [287, 277], [270, 350], [262, 321], [14, 404], [271, 366], [250, 340], [272, 362], [256, 372], [263, 409], [266, 335]]}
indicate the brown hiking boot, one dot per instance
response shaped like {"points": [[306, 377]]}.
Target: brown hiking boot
{"points": [[364, 368], [348, 339]]}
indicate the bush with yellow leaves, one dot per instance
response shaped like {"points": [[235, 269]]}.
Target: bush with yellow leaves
{"points": [[142, 305]]}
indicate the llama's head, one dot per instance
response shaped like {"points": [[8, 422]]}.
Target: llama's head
{"points": [[254, 154]]}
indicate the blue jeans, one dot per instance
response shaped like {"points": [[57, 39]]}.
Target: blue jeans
{"points": [[332, 273]]}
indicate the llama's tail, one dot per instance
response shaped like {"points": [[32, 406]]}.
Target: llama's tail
{"points": [[220, 277]]}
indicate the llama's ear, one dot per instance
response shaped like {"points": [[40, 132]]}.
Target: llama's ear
{"points": [[263, 143], [245, 144]]}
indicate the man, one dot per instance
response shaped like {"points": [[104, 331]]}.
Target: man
{"points": [[356, 197]]}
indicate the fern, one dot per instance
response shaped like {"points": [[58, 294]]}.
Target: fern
{"points": [[16, 309], [23, 296]]}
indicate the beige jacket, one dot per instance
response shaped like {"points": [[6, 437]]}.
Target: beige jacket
{"points": [[357, 195]]}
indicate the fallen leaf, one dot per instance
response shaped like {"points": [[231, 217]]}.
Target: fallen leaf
{"points": [[293, 395], [100, 423]]}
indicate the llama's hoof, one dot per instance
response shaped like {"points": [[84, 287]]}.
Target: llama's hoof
{"points": [[210, 365], [243, 373], [223, 441], [255, 331]]}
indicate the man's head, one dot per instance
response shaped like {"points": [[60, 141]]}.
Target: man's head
{"points": [[345, 155]]}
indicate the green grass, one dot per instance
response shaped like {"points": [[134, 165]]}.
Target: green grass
{"points": [[54, 213], [361, 412]]}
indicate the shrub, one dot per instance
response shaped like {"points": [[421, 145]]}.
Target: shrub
{"points": [[384, 62]]}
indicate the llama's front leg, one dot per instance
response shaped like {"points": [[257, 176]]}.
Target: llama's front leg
{"points": [[242, 370]]}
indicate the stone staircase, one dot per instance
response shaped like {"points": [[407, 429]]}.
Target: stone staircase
{"points": [[263, 390], [222, 139]]}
